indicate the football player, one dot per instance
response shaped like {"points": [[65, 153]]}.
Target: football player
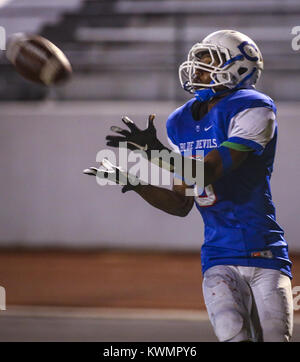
{"points": [[245, 262]]}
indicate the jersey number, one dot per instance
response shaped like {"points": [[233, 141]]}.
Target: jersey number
{"points": [[208, 199]]}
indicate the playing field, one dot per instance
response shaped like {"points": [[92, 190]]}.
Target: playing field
{"points": [[106, 296]]}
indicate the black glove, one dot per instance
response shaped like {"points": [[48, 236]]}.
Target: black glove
{"points": [[145, 140]]}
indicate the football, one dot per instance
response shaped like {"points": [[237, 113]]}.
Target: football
{"points": [[37, 59]]}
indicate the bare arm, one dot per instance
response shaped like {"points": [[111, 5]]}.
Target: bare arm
{"points": [[174, 201], [213, 167]]}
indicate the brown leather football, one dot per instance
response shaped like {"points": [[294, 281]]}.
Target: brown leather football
{"points": [[37, 59]]}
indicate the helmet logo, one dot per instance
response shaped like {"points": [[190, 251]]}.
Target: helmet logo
{"points": [[249, 51]]}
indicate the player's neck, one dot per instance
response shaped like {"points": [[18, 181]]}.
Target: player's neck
{"points": [[200, 109], [213, 102]]}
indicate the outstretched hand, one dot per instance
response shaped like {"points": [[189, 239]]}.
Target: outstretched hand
{"points": [[113, 173], [137, 139]]}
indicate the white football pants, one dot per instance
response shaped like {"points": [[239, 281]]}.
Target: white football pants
{"points": [[248, 303]]}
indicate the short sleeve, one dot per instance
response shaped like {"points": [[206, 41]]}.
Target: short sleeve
{"points": [[253, 127], [174, 147]]}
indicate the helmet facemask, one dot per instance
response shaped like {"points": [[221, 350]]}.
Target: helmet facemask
{"points": [[218, 68]]}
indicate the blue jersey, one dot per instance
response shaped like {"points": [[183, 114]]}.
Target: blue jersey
{"points": [[240, 226]]}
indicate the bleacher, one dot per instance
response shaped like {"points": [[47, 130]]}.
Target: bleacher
{"points": [[130, 50]]}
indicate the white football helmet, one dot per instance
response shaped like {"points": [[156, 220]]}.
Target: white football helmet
{"points": [[236, 61]]}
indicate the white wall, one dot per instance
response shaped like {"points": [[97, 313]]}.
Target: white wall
{"points": [[47, 201]]}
